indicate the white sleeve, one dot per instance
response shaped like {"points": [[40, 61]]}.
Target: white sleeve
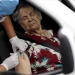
{"points": [[51, 32], [2, 19]]}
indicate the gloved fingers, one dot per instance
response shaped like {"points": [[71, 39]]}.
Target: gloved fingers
{"points": [[15, 53], [22, 48], [24, 45], [18, 44], [15, 59], [16, 63], [14, 56], [11, 54], [14, 49]]}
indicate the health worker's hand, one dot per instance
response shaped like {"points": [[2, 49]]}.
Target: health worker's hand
{"points": [[18, 44]]}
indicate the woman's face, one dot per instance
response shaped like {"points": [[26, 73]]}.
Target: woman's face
{"points": [[29, 19]]}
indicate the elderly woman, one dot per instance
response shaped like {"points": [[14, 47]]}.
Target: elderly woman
{"points": [[42, 58]]}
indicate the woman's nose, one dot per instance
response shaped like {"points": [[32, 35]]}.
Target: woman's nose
{"points": [[30, 18]]}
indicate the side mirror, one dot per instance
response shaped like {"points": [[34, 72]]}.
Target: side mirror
{"points": [[67, 49]]}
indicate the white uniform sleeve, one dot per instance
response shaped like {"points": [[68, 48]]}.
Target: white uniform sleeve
{"points": [[2, 19]]}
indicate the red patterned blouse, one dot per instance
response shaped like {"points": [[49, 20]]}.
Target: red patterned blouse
{"points": [[42, 58]]}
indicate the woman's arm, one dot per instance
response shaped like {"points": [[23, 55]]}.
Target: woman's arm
{"points": [[24, 66]]}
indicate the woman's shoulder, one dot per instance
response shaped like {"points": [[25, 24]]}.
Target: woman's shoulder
{"points": [[53, 33], [49, 32]]}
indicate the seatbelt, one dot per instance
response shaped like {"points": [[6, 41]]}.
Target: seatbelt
{"points": [[20, 35]]}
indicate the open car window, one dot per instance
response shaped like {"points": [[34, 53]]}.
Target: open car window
{"points": [[48, 22]]}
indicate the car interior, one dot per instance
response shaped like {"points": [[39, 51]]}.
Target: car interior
{"points": [[47, 23]]}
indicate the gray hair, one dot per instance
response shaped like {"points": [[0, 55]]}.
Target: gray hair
{"points": [[22, 4]]}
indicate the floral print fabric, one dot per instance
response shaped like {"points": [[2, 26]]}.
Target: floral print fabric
{"points": [[42, 59]]}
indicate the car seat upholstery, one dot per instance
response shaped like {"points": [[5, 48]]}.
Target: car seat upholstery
{"points": [[5, 47]]}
